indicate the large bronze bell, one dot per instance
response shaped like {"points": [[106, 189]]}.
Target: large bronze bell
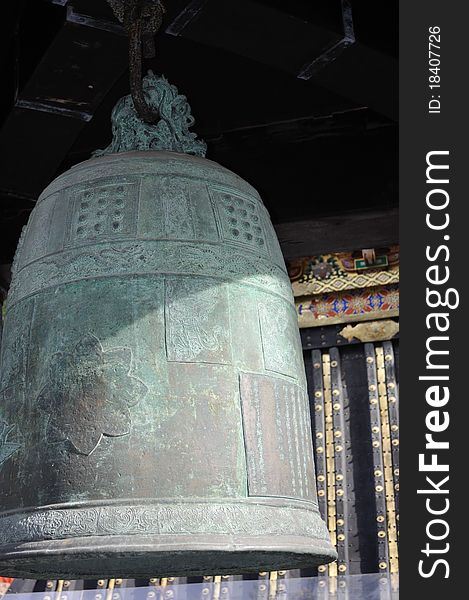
{"points": [[154, 417]]}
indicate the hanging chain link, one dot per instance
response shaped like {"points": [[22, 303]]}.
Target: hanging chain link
{"points": [[142, 19]]}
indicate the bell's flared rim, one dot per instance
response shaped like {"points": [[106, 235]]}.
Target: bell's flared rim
{"points": [[162, 556]]}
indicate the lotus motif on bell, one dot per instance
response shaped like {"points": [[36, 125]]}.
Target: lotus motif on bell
{"points": [[89, 393]]}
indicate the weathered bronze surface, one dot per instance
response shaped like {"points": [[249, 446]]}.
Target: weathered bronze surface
{"points": [[154, 418]]}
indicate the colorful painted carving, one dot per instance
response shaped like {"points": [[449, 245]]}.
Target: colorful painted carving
{"points": [[341, 288]]}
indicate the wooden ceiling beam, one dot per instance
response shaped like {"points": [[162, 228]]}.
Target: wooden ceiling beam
{"points": [[353, 231], [333, 59], [81, 65]]}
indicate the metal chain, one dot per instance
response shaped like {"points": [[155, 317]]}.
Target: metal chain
{"points": [[142, 19]]}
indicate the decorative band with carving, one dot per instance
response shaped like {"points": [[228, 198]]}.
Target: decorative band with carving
{"points": [[149, 257], [149, 164], [184, 518]]}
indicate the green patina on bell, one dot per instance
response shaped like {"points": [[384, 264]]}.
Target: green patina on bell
{"points": [[154, 417]]}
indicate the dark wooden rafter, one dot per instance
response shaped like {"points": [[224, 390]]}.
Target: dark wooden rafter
{"points": [[373, 229], [306, 50], [81, 65], [303, 129]]}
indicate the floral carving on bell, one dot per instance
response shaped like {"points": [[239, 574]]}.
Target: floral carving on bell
{"points": [[89, 394]]}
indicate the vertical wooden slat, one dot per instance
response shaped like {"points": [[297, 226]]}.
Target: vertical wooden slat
{"points": [[263, 586], [385, 588], [378, 465], [320, 440], [393, 406], [319, 432], [216, 587], [281, 585], [323, 590], [50, 588], [153, 592], [330, 460], [207, 588], [343, 590], [340, 463], [387, 460], [72, 589], [272, 585], [169, 588]]}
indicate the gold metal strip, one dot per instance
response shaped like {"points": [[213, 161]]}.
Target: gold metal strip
{"points": [[110, 589], [387, 462], [59, 588], [330, 457], [273, 584], [216, 587]]}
